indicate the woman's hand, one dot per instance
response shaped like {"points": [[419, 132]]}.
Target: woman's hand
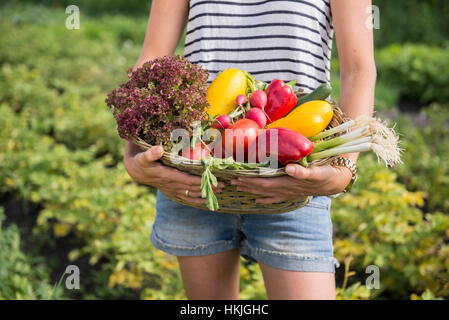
{"points": [[144, 168], [313, 181]]}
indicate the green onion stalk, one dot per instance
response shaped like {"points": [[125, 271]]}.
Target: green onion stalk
{"points": [[345, 138], [359, 135]]}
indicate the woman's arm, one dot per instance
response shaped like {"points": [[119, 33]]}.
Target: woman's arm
{"points": [[358, 79], [356, 55], [164, 30]]}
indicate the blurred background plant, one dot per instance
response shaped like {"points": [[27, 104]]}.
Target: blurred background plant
{"points": [[66, 199]]}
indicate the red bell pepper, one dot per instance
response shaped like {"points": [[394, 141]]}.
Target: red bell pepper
{"points": [[287, 146], [280, 100]]}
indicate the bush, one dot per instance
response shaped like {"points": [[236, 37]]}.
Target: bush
{"points": [[98, 7], [60, 149], [21, 276], [418, 21], [420, 72], [381, 223], [426, 156]]}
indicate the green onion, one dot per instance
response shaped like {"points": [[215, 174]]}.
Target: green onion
{"points": [[357, 141], [340, 150], [348, 137], [345, 126]]}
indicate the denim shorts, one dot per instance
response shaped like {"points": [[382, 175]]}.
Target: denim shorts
{"points": [[300, 240]]}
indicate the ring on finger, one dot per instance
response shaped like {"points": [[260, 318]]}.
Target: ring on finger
{"points": [[187, 193]]}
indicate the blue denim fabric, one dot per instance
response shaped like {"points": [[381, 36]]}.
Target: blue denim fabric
{"points": [[300, 240]]}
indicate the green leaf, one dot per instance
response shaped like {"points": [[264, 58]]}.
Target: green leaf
{"points": [[204, 184], [207, 180], [213, 179]]}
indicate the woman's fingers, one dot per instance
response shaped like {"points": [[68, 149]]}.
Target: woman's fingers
{"points": [[192, 200], [313, 173], [181, 188], [190, 194], [146, 159], [269, 200], [259, 183], [144, 168], [257, 191], [180, 191], [175, 175]]}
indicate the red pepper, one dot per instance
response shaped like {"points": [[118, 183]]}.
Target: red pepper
{"points": [[281, 99], [289, 147]]}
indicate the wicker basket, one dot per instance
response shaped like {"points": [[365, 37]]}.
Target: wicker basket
{"points": [[230, 200]]}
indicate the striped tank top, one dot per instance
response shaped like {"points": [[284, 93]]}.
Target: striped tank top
{"points": [[283, 39]]}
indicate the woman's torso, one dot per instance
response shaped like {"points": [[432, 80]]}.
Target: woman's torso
{"points": [[284, 39]]}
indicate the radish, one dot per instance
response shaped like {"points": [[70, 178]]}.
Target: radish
{"points": [[241, 99], [258, 116], [222, 122], [258, 99]]}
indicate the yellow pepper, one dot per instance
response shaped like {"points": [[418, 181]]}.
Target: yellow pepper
{"points": [[224, 89], [309, 119]]}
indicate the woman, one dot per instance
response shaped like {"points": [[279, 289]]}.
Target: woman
{"points": [[271, 39]]}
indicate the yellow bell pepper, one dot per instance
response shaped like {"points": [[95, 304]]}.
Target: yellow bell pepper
{"points": [[309, 119], [224, 89]]}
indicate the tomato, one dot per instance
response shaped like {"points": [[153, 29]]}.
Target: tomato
{"points": [[236, 138], [199, 152]]}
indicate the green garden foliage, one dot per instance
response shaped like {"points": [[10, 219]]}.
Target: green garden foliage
{"points": [[62, 164], [22, 276], [97, 7], [414, 21], [382, 223], [418, 71], [427, 155]]}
